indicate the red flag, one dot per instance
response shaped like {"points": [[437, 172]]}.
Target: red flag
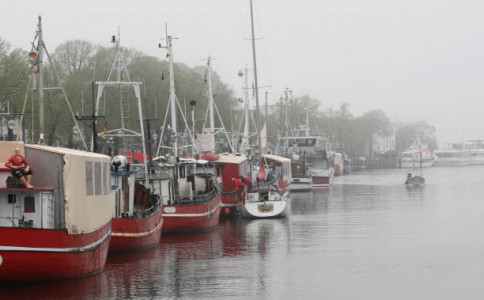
{"points": [[262, 172], [105, 127]]}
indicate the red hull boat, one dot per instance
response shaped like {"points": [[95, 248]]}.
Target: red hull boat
{"points": [[61, 230], [39, 254], [230, 167], [133, 234], [322, 181], [137, 218], [184, 218]]}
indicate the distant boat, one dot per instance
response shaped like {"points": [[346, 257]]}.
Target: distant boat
{"points": [[453, 154], [289, 147], [317, 154], [417, 154], [301, 176], [413, 180]]}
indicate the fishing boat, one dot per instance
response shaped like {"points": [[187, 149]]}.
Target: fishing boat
{"points": [[301, 176], [315, 150], [270, 195], [192, 202], [136, 202], [228, 167], [60, 228], [415, 154], [290, 146], [190, 196], [477, 152]]}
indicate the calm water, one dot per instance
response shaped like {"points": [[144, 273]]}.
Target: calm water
{"points": [[367, 237]]}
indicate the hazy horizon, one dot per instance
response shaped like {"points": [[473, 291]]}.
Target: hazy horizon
{"points": [[415, 60]]}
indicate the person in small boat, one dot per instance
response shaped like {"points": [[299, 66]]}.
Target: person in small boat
{"points": [[20, 168], [409, 175]]}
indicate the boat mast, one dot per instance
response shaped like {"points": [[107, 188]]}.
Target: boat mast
{"points": [[245, 140], [210, 95], [286, 121], [172, 93], [255, 82], [121, 82], [307, 122], [39, 65], [212, 109], [40, 48]]}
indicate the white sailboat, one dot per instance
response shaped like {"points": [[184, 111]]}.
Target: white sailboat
{"points": [[269, 195]]}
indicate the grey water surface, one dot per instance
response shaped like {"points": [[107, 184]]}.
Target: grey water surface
{"points": [[367, 237]]}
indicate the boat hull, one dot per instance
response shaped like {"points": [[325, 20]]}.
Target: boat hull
{"points": [[136, 234], [185, 218], [47, 254], [425, 164], [322, 181], [415, 181], [452, 163], [267, 209], [301, 184], [229, 206]]}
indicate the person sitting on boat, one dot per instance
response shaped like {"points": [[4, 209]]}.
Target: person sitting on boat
{"points": [[409, 175], [20, 168]]}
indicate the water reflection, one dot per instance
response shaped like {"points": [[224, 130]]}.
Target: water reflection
{"points": [[367, 237]]}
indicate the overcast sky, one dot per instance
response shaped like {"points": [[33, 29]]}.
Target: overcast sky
{"points": [[414, 59]]}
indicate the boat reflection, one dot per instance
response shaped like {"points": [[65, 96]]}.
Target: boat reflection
{"points": [[312, 202], [95, 286]]}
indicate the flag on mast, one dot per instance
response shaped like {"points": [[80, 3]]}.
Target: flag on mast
{"points": [[263, 136], [105, 127]]}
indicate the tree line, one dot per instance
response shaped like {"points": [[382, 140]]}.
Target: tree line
{"points": [[80, 62]]}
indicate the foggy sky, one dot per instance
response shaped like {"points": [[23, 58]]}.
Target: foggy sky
{"points": [[415, 60]]}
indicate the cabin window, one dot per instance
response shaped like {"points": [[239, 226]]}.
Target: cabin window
{"points": [[182, 172], [89, 187], [98, 184], [29, 204], [106, 179], [12, 199]]}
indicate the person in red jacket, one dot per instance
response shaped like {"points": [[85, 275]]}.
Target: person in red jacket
{"points": [[20, 168]]}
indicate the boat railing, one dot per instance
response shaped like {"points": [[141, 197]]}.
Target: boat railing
{"points": [[12, 220], [151, 210], [194, 200]]}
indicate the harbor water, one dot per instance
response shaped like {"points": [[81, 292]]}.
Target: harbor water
{"points": [[367, 237]]}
